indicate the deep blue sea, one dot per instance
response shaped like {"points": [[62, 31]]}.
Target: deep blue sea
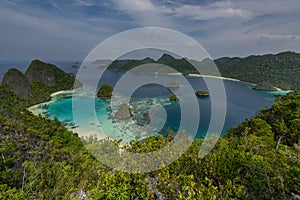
{"points": [[242, 102]]}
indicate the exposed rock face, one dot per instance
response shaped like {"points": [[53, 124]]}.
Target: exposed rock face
{"points": [[51, 76], [123, 112], [18, 83], [48, 77], [42, 72]]}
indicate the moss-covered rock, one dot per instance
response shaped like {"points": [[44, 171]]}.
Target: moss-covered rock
{"points": [[174, 98], [18, 83]]}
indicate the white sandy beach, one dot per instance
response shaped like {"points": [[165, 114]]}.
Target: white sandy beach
{"points": [[62, 92], [86, 133], [203, 76], [211, 76], [36, 109], [232, 79]]}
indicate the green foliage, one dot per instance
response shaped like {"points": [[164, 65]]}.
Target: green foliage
{"points": [[281, 120], [181, 65], [18, 82], [41, 159], [281, 70], [105, 91], [40, 80], [264, 86], [49, 75]]}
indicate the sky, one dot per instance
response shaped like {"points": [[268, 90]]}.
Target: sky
{"points": [[70, 29]]}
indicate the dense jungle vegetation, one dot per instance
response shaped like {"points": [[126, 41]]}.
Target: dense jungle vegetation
{"points": [[281, 70]]}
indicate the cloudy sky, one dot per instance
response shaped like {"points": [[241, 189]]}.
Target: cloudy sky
{"points": [[70, 29]]}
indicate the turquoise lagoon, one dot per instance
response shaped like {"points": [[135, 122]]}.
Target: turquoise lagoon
{"points": [[242, 102]]}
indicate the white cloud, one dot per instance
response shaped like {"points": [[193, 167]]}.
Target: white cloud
{"points": [[10, 2], [135, 5], [144, 12], [54, 5], [229, 27], [83, 3], [211, 11], [270, 38]]}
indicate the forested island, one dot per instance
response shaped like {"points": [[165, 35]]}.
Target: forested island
{"points": [[201, 93], [281, 70], [105, 91], [41, 159]]}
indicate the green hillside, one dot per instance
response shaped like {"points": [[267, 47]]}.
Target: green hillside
{"points": [[39, 81], [280, 70]]}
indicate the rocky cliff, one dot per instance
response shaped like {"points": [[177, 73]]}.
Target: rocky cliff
{"points": [[18, 83]]}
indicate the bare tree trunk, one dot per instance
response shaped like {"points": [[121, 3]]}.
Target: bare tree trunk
{"points": [[23, 181], [278, 142], [269, 186], [3, 158]]}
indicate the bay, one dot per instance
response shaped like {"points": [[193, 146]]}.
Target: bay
{"points": [[242, 102]]}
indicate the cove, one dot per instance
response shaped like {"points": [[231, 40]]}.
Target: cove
{"points": [[242, 102]]}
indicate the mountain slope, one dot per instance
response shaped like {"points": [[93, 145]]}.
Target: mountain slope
{"points": [[39, 81], [281, 70], [18, 82]]}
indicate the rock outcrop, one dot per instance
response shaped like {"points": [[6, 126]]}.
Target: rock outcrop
{"points": [[51, 76], [40, 80], [123, 112], [173, 98], [42, 72], [18, 83]]}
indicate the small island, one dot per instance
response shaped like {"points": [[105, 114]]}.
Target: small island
{"points": [[173, 85], [201, 93], [174, 98], [105, 91], [264, 86]]}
